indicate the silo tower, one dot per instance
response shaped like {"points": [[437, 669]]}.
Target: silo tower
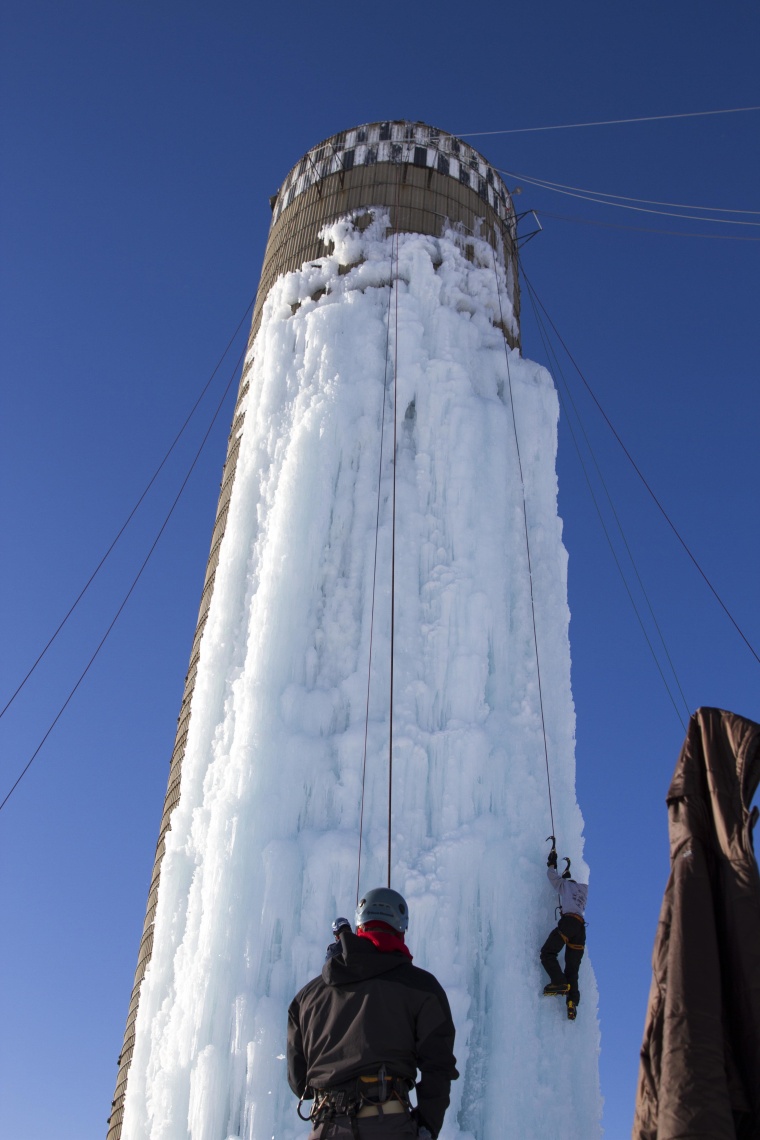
{"points": [[389, 455]]}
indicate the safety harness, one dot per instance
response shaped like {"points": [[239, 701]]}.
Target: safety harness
{"points": [[373, 1094], [566, 940]]}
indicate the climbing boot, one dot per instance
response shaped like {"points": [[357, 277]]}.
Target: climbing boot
{"points": [[571, 1011], [555, 988]]}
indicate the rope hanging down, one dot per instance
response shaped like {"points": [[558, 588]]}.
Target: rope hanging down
{"points": [[527, 546], [391, 295], [374, 584], [393, 527]]}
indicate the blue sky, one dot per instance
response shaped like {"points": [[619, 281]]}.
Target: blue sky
{"points": [[140, 149]]}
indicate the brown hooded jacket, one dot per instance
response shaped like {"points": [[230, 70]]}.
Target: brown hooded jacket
{"points": [[699, 1077]]}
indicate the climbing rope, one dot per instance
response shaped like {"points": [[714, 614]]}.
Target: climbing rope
{"points": [[374, 585], [394, 259], [527, 544], [395, 245]]}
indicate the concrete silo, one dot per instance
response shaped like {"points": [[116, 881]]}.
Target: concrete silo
{"points": [[389, 286]]}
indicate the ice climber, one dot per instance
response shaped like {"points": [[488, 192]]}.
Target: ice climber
{"points": [[569, 932], [359, 1033], [335, 948]]}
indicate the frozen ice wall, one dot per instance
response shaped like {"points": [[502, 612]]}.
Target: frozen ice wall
{"points": [[263, 846]]}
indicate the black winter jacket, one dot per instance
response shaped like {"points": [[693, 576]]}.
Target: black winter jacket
{"points": [[371, 1008]]}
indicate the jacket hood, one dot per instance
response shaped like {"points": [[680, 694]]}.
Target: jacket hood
{"points": [[360, 959], [715, 779]]}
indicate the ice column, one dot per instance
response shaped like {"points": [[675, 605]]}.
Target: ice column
{"points": [[263, 847]]}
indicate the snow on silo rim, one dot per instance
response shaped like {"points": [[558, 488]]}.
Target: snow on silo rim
{"points": [[428, 179]]}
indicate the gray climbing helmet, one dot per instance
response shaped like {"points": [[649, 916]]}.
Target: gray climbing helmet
{"points": [[383, 905]]}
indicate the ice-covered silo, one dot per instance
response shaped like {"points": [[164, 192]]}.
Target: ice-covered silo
{"points": [[386, 542]]}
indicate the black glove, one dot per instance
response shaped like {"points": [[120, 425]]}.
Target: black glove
{"points": [[552, 860], [422, 1129]]}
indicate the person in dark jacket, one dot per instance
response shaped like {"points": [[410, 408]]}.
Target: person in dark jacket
{"points": [[335, 948], [569, 932], [359, 1033]]}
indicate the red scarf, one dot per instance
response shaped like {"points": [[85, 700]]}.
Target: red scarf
{"points": [[386, 941]]}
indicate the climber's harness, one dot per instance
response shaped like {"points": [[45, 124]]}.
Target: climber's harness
{"points": [[579, 918], [372, 1095]]}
